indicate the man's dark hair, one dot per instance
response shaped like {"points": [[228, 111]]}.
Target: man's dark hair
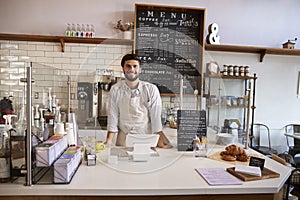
{"points": [[129, 57]]}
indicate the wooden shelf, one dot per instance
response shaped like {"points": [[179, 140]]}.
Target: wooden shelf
{"points": [[223, 106], [234, 77], [262, 51], [63, 39]]}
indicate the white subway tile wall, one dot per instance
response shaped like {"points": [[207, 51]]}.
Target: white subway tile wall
{"points": [[51, 68]]}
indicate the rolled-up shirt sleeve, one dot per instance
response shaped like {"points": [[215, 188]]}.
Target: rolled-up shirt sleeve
{"points": [[155, 108], [113, 110]]}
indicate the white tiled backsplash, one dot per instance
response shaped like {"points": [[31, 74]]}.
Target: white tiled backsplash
{"points": [[50, 68]]}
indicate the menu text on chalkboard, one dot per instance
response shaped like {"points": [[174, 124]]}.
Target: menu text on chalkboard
{"points": [[169, 41]]}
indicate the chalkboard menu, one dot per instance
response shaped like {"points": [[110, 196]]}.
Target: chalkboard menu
{"points": [[169, 41], [190, 123]]}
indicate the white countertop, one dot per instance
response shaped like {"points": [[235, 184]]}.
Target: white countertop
{"points": [[171, 173]]}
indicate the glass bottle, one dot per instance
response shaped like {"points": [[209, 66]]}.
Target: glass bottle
{"points": [[43, 125], [21, 123], [82, 32], [36, 132], [68, 30], [54, 103], [196, 146], [5, 157], [199, 146], [78, 30], [92, 31], [87, 31], [73, 31]]}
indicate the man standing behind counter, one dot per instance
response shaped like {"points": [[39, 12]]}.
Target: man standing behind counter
{"points": [[134, 106]]}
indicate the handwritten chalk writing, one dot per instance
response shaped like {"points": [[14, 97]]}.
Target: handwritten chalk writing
{"points": [[154, 72], [147, 19], [186, 41], [147, 34], [188, 23], [173, 15], [165, 37], [184, 60], [150, 13], [145, 58], [161, 59]]}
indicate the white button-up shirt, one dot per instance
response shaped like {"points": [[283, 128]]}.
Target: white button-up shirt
{"points": [[148, 92]]}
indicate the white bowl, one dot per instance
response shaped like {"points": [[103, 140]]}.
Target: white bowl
{"points": [[225, 139]]}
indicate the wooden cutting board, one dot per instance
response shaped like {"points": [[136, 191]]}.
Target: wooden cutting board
{"points": [[218, 157], [265, 174]]}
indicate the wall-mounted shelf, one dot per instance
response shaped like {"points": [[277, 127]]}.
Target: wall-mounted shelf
{"points": [[262, 51], [62, 39], [233, 77]]}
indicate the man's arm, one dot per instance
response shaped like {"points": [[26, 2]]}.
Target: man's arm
{"points": [[109, 138], [112, 118]]}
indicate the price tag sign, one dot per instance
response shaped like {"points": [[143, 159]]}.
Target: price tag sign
{"points": [[257, 162]]}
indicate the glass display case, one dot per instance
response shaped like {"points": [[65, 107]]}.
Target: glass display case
{"points": [[229, 98]]}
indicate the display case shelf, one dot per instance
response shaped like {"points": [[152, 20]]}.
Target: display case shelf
{"points": [[63, 39], [218, 109]]}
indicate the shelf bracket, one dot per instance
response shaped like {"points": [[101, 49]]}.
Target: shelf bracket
{"points": [[262, 55], [62, 44]]}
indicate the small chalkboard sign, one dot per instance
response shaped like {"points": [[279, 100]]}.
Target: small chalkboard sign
{"points": [[169, 41], [190, 123], [257, 162]]}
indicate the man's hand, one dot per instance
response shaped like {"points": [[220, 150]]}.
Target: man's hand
{"points": [[161, 143]]}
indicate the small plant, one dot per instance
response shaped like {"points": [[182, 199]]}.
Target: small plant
{"points": [[124, 27]]}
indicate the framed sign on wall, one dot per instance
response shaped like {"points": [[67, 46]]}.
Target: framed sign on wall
{"points": [[169, 41]]}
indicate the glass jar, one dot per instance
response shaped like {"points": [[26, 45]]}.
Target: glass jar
{"points": [[236, 70], [230, 70], [247, 71], [225, 70], [242, 71]]}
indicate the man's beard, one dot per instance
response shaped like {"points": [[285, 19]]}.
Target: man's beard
{"points": [[130, 78]]}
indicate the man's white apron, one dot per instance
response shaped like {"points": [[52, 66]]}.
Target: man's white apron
{"points": [[134, 118]]}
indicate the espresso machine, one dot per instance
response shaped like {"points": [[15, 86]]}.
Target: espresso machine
{"points": [[87, 95], [106, 80]]}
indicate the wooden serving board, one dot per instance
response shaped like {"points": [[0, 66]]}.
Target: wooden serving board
{"points": [[265, 174], [218, 157]]}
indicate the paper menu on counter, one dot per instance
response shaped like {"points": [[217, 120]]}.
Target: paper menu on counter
{"points": [[218, 176]]}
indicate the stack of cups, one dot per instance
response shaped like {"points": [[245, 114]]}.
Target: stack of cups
{"points": [[70, 134], [59, 128]]}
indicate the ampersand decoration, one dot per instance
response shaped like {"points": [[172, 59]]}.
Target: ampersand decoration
{"points": [[212, 37]]}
